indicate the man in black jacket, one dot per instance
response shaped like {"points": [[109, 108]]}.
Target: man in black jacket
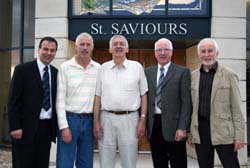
{"points": [[31, 107]]}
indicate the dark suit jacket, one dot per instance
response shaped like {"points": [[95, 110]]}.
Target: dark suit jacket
{"points": [[175, 99], [25, 100]]}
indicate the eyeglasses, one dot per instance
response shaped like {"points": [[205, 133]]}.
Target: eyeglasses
{"points": [[163, 49]]}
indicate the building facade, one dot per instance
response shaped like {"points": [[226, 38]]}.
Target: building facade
{"points": [[25, 22]]}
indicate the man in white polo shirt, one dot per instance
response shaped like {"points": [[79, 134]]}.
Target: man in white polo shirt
{"points": [[120, 92], [75, 96]]}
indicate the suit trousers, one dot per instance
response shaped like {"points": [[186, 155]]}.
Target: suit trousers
{"points": [[165, 152], [35, 154], [205, 150]]}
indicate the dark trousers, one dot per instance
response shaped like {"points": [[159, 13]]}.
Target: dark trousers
{"points": [[205, 150], [164, 152], [35, 154]]}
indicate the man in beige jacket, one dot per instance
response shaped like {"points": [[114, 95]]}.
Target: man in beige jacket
{"points": [[217, 120]]}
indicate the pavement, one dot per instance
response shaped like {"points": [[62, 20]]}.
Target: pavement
{"points": [[144, 161]]}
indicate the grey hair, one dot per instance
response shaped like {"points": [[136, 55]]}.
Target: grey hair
{"points": [[118, 36], [207, 40], [164, 39], [87, 35]]}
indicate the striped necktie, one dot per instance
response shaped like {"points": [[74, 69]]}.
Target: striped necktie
{"points": [[46, 89], [159, 86]]}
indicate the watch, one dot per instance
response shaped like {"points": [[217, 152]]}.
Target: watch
{"points": [[143, 116]]}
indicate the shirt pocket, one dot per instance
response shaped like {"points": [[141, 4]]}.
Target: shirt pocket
{"points": [[225, 115], [223, 92], [194, 90], [226, 127]]}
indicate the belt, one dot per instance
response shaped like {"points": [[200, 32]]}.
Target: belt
{"points": [[45, 120], [45, 123], [79, 114], [121, 112]]}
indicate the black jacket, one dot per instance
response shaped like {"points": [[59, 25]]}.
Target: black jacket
{"points": [[25, 100]]}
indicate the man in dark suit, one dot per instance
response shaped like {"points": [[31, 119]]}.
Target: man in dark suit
{"points": [[31, 107], [169, 108]]}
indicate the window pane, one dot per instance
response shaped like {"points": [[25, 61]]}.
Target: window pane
{"points": [[16, 23], [5, 24], [28, 55], [90, 7], [138, 7], [29, 22]]}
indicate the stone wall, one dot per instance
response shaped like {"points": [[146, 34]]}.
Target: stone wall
{"points": [[52, 20]]}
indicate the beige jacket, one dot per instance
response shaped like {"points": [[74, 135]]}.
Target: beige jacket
{"points": [[226, 119]]}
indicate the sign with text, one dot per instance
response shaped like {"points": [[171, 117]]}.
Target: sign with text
{"points": [[146, 29]]}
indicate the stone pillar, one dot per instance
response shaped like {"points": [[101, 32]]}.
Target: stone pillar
{"points": [[228, 28], [51, 19]]}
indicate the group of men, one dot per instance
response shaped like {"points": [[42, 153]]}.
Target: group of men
{"points": [[118, 103]]}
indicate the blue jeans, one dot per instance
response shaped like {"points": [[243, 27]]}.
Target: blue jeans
{"points": [[81, 147]]}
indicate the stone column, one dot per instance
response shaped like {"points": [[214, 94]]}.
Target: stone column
{"points": [[228, 28], [51, 19]]}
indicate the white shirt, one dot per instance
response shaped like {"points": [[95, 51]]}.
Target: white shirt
{"points": [[157, 109], [75, 89], [121, 88], [45, 114]]}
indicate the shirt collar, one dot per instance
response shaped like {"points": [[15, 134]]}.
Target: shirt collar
{"points": [[124, 64], [213, 68], [41, 65], [165, 66], [74, 63]]}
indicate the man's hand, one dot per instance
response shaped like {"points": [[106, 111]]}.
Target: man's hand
{"points": [[180, 134], [141, 128], [238, 144], [98, 132], [17, 134], [66, 135], [190, 140]]}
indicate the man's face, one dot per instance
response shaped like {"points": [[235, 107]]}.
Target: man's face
{"points": [[207, 53], [84, 47], [163, 52], [47, 52], [118, 48]]}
